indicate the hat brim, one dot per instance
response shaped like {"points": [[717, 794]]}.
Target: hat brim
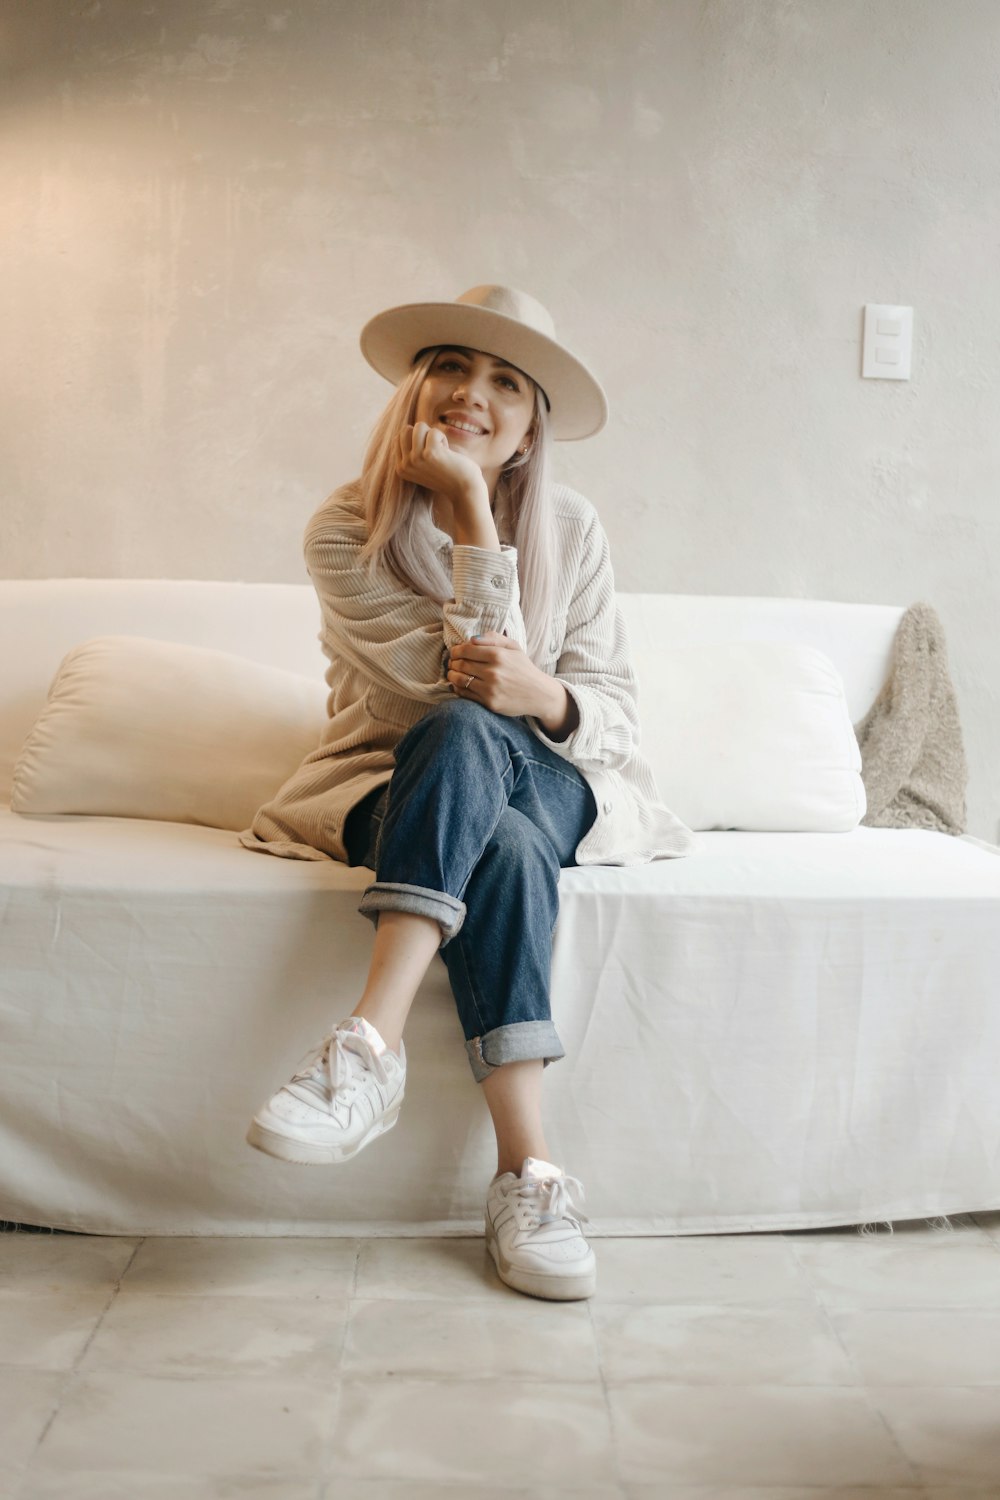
{"points": [[391, 341]]}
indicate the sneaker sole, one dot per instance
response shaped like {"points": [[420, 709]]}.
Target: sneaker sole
{"points": [[315, 1153], [558, 1287]]}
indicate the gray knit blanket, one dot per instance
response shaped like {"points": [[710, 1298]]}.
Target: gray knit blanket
{"points": [[912, 758]]}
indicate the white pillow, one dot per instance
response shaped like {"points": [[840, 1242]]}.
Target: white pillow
{"points": [[135, 728], [751, 734]]}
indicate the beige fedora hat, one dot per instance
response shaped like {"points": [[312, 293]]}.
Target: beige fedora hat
{"points": [[498, 320]]}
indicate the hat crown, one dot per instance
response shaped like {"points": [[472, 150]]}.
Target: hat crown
{"points": [[511, 303]]}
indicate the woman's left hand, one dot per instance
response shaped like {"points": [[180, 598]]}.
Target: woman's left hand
{"points": [[493, 670]]}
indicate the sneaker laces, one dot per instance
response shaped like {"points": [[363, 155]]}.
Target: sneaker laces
{"points": [[338, 1064], [550, 1198]]}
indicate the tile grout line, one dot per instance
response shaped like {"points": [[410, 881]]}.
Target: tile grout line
{"points": [[919, 1479], [615, 1450], [326, 1473], [862, 1386], [73, 1372]]}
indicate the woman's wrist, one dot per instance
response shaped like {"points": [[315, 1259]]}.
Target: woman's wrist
{"points": [[471, 497], [560, 714], [472, 523]]}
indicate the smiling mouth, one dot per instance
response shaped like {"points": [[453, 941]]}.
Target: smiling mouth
{"points": [[457, 426]]}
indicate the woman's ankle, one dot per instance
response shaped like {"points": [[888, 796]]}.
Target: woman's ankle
{"points": [[508, 1163], [390, 1036]]}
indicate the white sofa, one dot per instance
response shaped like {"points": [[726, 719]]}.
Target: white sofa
{"points": [[780, 1030]]}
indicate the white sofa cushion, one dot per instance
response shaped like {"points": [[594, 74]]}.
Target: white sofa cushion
{"points": [[752, 735], [138, 728], [742, 735]]}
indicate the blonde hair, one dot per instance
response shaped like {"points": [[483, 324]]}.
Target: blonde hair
{"points": [[401, 532]]}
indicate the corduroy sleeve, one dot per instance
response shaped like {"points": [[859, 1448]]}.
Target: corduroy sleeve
{"points": [[396, 637], [595, 667], [486, 596]]}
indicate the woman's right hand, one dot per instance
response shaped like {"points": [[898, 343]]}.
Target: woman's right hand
{"points": [[426, 458]]}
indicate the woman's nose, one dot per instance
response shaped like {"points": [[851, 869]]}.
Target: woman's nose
{"points": [[470, 390]]}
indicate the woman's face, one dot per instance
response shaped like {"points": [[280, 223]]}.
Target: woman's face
{"points": [[483, 406]]}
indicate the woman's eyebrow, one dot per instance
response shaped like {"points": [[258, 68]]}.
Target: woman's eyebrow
{"points": [[468, 353]]}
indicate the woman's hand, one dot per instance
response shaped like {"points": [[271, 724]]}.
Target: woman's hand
{"points": [[506, 680], [425, 457], [461, 496]]}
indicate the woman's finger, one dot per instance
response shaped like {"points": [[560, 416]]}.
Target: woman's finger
{"points": [[469, 651]]}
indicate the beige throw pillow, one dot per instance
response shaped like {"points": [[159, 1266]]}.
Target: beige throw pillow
{"points": [[136, 728]]}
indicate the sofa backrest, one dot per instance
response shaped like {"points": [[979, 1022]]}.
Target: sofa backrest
{"points": [[858, 638], [278, 624]]}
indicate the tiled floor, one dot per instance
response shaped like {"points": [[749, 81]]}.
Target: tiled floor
{"points": [[737, 1367]]}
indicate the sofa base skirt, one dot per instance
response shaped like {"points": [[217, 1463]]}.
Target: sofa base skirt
{"points": [[777, 1032]]}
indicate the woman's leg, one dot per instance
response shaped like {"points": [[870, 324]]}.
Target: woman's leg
{"points": [[479, 818], [467, 845], [404, 946], [461, 768], [514, 1095]]}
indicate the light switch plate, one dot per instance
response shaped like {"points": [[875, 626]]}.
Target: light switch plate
{"points": [[888, 341]]}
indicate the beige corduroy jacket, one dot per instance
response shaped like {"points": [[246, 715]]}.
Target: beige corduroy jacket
{"points": [[387, 648]]}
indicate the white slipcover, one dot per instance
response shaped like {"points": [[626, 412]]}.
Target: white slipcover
{"points": [[777, 1031]]}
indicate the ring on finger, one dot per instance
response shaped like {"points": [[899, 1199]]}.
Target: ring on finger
{"points": [[469, 682]]}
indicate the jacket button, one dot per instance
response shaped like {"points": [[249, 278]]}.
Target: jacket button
{"points": [[608, 805], [498, 582]]}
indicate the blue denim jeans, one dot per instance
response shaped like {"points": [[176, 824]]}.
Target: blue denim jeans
{"points": [[472, 831]]}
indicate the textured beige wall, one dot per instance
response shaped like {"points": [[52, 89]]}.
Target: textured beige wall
{"points": [[202, 202]]}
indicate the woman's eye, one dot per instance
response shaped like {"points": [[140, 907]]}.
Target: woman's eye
{"points": [[510, 384]]}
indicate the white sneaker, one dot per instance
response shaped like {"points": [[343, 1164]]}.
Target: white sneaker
{"points": [[347, 1091], [533, 1233]]}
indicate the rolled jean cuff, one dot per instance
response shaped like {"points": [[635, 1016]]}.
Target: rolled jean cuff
{"points": [[518, 1042], [391, 895]]}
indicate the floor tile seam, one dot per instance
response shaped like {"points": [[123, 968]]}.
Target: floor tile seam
{"points": [[326, 1478], [462, 1382], [132, 1475], [254, 1299], [767, 1305], [228, 1374], [356, 1266], [919, 1478], [826, 1315], [838, 1303], [304, 1385], [71, 1375], [308, 1299], [464, 1301], [527, 1378], [867, 1387], [616, 1449], [615, 1382], [465, 1380]]}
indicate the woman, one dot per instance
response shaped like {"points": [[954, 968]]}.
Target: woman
{"points": [[483, 734]]}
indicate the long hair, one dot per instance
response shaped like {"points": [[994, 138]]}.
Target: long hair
{"points": [[401, 532]]}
